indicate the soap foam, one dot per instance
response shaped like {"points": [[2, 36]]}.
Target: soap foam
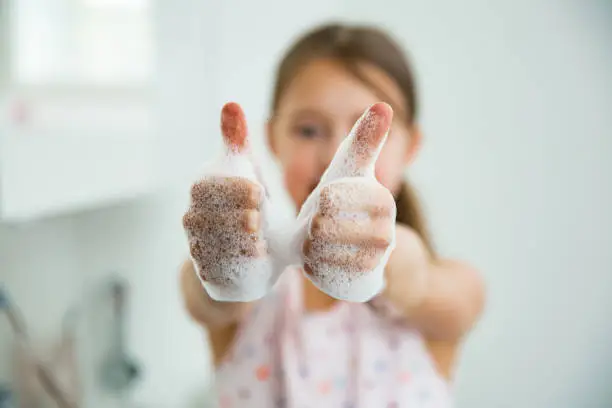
{"points": [[237, 265], [227, 233], [349, 191], [348, 271]]}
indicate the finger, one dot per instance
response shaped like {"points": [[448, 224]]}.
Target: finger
{"points": [[214, 237], [358, 152], [352, 257], [206, 253], [234, 128], [232, 225], [345, 198], [220, 194], [368, 233]]}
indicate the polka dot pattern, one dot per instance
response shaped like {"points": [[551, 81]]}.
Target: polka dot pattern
{"points": [[325, 387], [348, 359], [263, 372]]}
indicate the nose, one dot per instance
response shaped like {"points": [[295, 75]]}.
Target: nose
{"points": [[327, 150], [326, 154]]}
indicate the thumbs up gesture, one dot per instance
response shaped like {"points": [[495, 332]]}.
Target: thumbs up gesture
{"points": [[227, 238], [347, 225], [344, 233]]}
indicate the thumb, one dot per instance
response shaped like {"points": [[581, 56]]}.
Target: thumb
{"points": [[358, 152], [234, 128], [235, 136]]}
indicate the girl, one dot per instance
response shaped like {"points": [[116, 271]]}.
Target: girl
{"points": [[299, 347]]}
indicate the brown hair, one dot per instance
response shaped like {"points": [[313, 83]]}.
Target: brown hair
{"points": [[352, 46]]}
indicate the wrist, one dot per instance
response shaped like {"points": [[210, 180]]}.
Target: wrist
{"points": [[406, 274], [201, 307]]}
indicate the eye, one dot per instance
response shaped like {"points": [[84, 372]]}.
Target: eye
{"points": [[308, 131]]}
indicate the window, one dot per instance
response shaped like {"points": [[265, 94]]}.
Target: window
{"points": [[80, 42]]}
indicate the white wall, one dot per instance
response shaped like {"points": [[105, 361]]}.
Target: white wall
{"points": [[517, 176], [515, 173], [39, 267]]}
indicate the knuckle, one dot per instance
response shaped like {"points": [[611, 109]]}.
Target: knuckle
{"points": [[327, 201], [382, 234], [369, 259], [223, 193], [386, 198], [188, 220], [202, 193], [317, 226], [195, 249], [185, 220], [197, 188], [326, 192], [381, 240]]}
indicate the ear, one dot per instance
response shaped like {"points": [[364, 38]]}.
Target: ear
{"points": [[270, 137], [414, 144]]}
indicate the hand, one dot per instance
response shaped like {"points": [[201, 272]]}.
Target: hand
{"points": [[224, 221], [350, 217]]}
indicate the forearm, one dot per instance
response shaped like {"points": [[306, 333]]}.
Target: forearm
{"points": [[442, 298], [202, 308]]}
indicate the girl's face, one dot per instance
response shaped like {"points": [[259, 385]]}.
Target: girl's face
{"points": [[317, 111]]}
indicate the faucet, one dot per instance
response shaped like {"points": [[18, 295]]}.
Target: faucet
{"points": [[44, 374], [119, 370]]}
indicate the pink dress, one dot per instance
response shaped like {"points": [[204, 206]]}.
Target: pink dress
{"points": [[348, 357]]}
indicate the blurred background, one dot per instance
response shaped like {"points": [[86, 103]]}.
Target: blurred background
{"points": [[109, 108]]}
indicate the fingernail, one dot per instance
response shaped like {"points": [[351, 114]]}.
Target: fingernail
{"points": [[233, 127], [252, 221]]}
